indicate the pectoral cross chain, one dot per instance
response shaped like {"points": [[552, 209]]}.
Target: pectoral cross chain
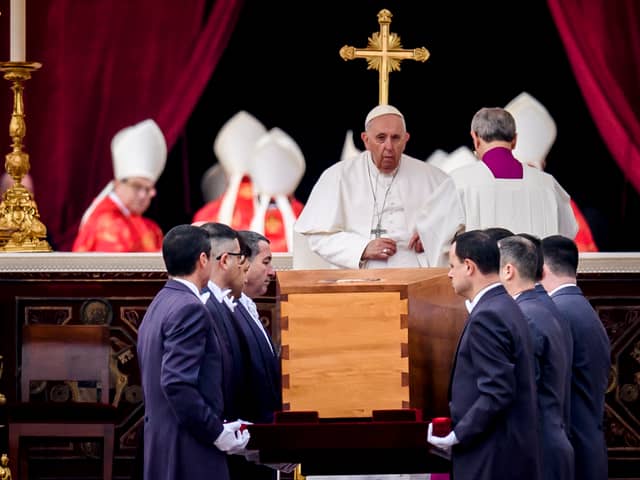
{"points": [[378, 231]]}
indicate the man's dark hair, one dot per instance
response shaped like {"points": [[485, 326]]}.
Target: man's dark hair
{"points": [[480, 248], [498, 232], [220, 235], [538, 243], [522, 253], [251, 239], [560, 254], [182, 247]]}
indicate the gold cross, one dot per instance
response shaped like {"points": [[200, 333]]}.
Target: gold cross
{"points": [[384, 53]]}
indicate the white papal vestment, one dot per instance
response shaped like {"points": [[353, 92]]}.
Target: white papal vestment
{"points": [[341, 212]]}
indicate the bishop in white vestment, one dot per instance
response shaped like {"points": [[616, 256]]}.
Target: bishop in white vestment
{"points": [[500, 191], [382, 208]]}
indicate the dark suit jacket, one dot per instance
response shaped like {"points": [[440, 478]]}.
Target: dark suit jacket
{"points": [[552, 375], [262, 373], [590, 376], [493, 403], [261, 394], [181, 371], [543, 296], [236, 381]]}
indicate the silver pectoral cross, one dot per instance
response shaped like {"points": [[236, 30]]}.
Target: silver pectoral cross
{"points": [[378, 231]]}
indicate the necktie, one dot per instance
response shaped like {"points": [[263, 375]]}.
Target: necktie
{"points": [[253, 311]]}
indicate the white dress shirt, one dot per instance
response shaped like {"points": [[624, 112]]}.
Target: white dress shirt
{"points": [[222, 295], [203, 297], [250, 305]]}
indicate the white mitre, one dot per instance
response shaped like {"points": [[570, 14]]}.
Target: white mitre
{"points": [[349, 149], [438, 158], [233, 146], [535, 128], [460, 157], [276, 167], [139, 151], [136, 151]]}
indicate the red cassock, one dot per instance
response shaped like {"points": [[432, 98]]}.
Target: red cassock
{"points": [[584, 238], [110, 230], [243, 214]]}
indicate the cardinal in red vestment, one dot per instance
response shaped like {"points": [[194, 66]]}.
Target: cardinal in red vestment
{"points": [[263, 169], [114, 222]]}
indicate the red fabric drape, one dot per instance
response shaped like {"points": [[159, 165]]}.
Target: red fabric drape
{"points": [[602, 40], [106, 65]]}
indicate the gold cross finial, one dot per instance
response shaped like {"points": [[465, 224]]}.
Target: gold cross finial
{"points": [[384, 53]]}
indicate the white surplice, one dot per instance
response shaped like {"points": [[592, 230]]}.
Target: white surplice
{"points": [[535, 204], [341, 212]]}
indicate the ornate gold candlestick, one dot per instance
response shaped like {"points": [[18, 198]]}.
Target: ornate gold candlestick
{"points": [[5, 472], [20, 227]]}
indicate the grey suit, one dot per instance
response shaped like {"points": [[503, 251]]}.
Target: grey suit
{"points": [[493, 403]]}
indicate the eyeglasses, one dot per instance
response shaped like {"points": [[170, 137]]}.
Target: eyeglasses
{"points": [[138, 188], [241, 256]]}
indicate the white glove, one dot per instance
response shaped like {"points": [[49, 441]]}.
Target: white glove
{"points": [[232, 440], [443, 443]]}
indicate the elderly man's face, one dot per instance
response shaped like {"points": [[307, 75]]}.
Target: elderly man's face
{"points": [[136, 193], [386, 139], [260, 272]]}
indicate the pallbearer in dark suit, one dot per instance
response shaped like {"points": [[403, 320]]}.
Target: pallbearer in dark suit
{"points": [[263, 393], [492, 392], [263, 360], [255, 380], [591, 357], [229, 265], [544, 297], [519, 258], [182, 371]]}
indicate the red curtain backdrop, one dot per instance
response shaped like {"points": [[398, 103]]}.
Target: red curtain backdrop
{"points": [[602, 40], [106, 65]]}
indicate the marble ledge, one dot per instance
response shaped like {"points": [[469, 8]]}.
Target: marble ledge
{"points": [[98, 262], [606, 262]]}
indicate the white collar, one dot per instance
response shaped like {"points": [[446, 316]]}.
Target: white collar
{"points": [[250, 305], [564, 285], [222, 295], [471, 304], [203, 297], [116, 199]]}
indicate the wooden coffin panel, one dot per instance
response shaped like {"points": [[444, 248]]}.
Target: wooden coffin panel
{"points": [[329, 318], [345, 353]]}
